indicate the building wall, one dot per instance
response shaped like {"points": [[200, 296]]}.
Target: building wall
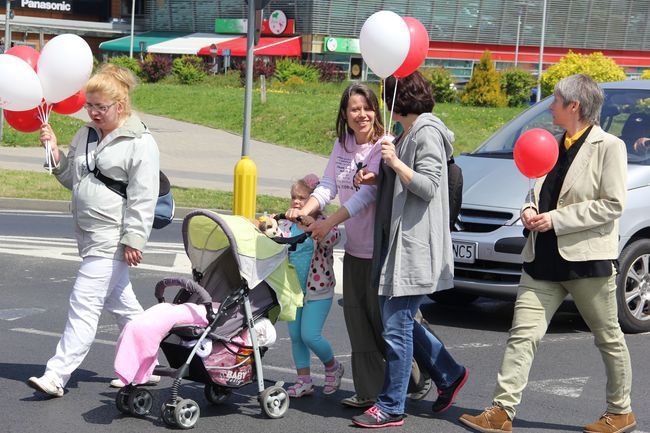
{"points": [[590, 24]]}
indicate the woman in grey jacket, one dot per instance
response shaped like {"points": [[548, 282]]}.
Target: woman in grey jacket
{"points": [[111, 231], [412, 251]]}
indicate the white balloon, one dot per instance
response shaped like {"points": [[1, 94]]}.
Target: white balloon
{"points": [[64, 66], [20, 88], [384, 42]]}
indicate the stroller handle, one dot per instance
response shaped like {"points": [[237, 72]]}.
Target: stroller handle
{"points": [[184, 283], [191, 287]]}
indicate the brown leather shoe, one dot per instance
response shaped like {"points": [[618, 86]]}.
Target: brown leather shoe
{"points": [[612, 423], [493, 420]]}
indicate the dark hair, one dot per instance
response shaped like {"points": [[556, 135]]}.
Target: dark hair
{"points": [[342, 128], [414, 94]]}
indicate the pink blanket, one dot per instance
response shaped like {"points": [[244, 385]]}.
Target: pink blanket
{"points": [[137, 348]]}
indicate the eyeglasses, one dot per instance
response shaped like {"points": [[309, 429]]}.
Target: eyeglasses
{"points": [[101, 109]]}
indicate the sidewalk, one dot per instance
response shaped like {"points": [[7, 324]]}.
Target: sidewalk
{"points": [[195, 156]]}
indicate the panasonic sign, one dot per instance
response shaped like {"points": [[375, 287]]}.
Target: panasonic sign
{"points": [[53, 6]]}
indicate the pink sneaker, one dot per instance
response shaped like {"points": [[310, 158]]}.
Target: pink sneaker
{"points": [[300, 389], [333, 379]]}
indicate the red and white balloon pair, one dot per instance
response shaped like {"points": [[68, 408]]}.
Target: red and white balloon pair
{"points": [[393, 45], [32, 84]]}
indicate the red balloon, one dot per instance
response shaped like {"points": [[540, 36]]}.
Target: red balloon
{"points": [[70, 105], [24, 121], [417, 50], [535, 152], [28, 54]]}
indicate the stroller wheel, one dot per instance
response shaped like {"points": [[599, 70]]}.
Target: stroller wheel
{"points": [[140, 402], [186, 414], [274, 401], [122, 399], [216, 394], [167, 411]]}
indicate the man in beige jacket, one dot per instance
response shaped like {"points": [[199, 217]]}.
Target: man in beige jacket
{"points": [[572, 218]]}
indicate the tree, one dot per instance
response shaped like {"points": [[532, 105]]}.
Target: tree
{"points": [[602, 69], [484, 88], [645, 75], [517, 84]]}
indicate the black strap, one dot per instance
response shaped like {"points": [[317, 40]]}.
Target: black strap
{"points": [[114, 185]]}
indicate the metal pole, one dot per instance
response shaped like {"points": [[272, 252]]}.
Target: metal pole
{"points": [[245, 184], [6, 47], [517, 42], [250, 59], [132, 27], [7, 30], [541, 55]]}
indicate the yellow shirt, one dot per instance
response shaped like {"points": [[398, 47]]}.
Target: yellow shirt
{"points": [[568, 141]]}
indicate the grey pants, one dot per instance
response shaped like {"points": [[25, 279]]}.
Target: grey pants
{"points": [[363, 320]]}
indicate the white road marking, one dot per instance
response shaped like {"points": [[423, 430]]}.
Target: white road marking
{"points": [[567, 387], [19, 313], [66, 249]]}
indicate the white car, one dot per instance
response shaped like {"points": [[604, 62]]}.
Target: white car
{"points": [[489, 239]]}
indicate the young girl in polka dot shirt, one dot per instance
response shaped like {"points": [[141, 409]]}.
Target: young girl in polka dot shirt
{"points": [[314, 263]]}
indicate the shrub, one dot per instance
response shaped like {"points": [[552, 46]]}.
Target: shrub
{"points": [[596, 65], [128, 63], [287, 68], [156, 67], [260, 67], [328, 71], [645, 75], [517, 84], [442, 83], [484, 88], [189, 69]]}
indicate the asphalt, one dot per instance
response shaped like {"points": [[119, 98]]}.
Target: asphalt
{"points": [[192, 156]]}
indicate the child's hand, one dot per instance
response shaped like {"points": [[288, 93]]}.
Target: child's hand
{"points": [[305, 221], [365, 177]]}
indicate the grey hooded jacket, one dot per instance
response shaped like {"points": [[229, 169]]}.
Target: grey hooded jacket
{"points": [[419, 256], [104, 221]]}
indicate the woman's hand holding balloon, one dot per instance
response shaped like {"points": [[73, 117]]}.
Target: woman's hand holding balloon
{"points": [[47, 135]]}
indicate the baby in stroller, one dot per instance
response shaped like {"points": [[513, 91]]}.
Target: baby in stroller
{"points": [[242, 283]]}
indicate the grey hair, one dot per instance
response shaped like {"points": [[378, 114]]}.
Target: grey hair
{"points": [[584, 90]]}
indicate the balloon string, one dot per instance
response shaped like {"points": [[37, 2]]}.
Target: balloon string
{"points": [[383, 97], [44, 111], [392, 107]]}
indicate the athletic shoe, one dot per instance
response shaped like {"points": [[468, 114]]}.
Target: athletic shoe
{"points": [[356, 401], [45, 385], [447, 396], [154, 379], [376, 418]]}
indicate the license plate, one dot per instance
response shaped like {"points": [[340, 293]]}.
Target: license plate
{"points": [[464, 252]]}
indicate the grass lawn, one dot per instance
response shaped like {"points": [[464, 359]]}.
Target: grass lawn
{"points": [[33, 185], [301, 117]]}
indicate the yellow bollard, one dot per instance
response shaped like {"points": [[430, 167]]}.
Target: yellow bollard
{"points": [[245, 188]]}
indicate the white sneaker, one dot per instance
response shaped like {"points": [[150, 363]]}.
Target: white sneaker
{"points": [[154, 379], [45, 385]]}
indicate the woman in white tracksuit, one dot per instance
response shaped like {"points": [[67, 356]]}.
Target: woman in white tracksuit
{"points": [[111, 231]]}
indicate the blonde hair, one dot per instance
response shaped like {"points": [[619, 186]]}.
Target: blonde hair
{"points": [[115, 83]]}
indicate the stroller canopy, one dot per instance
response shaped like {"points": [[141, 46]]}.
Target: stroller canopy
{"points": [[207, 235]]}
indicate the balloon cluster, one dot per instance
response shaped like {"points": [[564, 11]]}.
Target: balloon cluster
{"points": [[32, 84], [393, 45]]}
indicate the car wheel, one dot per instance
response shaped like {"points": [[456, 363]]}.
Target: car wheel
{"points": [[633, 287], [452, 297]]}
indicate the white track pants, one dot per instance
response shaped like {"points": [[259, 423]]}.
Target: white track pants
{"points": [[100, 282]]}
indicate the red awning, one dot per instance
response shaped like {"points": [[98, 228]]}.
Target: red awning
{"points": [[289, 47]]}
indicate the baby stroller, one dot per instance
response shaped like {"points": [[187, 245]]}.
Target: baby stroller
{"points": [[248, 276]]}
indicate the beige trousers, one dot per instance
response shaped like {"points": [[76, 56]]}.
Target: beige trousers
{"points": [[537, 302]]}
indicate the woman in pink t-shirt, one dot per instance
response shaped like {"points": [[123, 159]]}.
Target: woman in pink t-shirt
{"points": [[359, 129]]}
